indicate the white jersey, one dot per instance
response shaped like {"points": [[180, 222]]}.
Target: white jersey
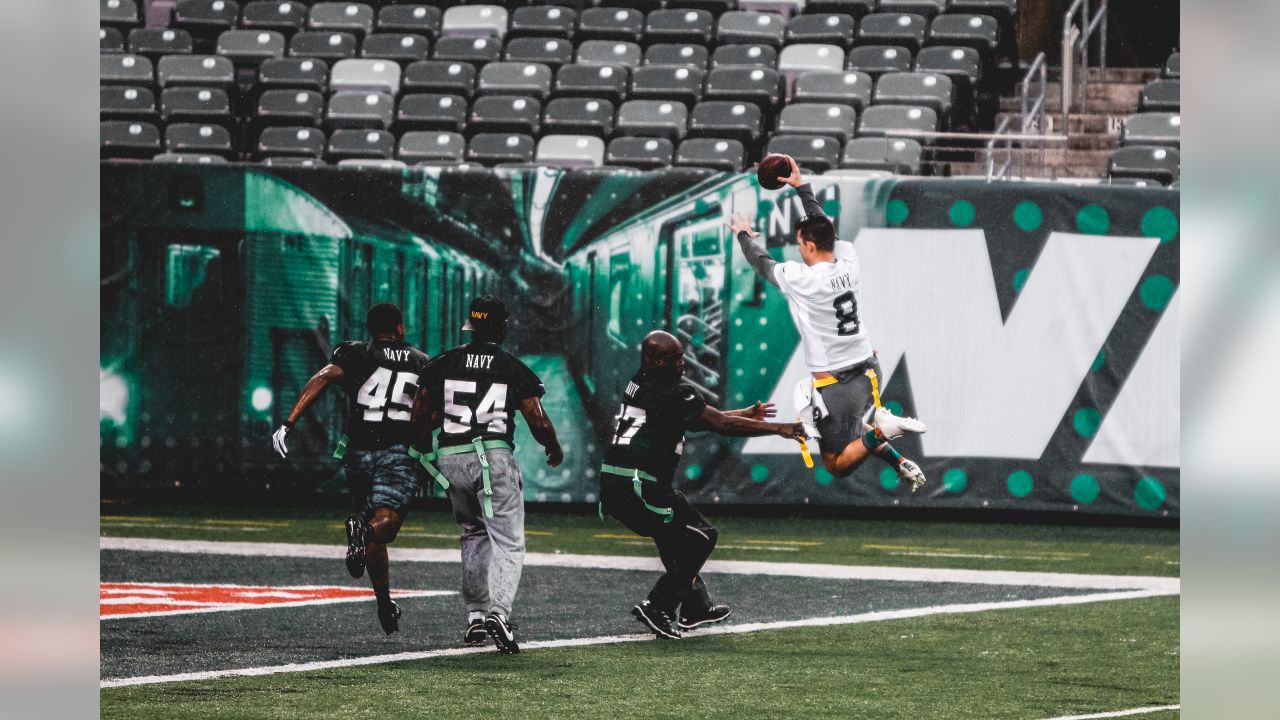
{"points": [[823, 299]]}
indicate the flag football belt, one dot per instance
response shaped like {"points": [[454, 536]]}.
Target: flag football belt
{"points": [[638, 478], [477, 446]]}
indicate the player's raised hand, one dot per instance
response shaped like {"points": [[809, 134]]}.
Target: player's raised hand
{"points": [[791, 431], [794, 179], [277, 440], [555, 455], [761, 410], [740, 224]]}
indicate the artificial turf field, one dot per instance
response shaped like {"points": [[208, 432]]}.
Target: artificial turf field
{"points": [[831, 618]]}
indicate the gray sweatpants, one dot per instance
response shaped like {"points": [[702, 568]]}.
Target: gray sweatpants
{"points": [[492, 548]]}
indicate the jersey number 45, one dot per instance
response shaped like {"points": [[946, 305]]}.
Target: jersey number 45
{"points": [[373, 395]]}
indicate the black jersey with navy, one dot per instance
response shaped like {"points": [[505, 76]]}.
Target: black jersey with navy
{"points": [[380, 379], [651, 424], [479, 387]]}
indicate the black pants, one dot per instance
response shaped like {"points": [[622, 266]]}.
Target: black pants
{"points": [[684, 544]]}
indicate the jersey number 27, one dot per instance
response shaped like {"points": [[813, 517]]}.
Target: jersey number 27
{"points": [[846, 306]]}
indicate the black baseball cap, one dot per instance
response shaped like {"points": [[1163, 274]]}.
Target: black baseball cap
{"points": [[487, 313]]}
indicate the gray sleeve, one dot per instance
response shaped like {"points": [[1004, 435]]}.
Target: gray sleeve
{"points": [[757, 256], [811, 204]]}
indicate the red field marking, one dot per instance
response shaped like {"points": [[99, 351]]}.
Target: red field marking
{"points": [[143, 599]]}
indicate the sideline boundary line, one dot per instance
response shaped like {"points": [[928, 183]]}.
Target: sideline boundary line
{"points": [[1121, 713]]}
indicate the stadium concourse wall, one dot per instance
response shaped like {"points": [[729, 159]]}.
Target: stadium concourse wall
{"points": [[1034, 327]]}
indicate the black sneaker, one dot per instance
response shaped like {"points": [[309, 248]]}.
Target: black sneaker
{"points": [[503, 633], [656, 620], [713, 615], [389, 616], [356, 530], [475, 633]]}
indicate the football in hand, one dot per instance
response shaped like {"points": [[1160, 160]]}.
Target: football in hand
{"points": [[772, 169]]}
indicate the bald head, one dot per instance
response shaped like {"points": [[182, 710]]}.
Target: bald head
{"points": [[662, 353]]}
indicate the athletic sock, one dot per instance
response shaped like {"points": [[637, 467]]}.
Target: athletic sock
{"points": [[475, 616], [383, 593], [881, 448]]}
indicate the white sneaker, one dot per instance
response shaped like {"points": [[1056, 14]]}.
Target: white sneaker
{"points": [[893, 427], [911, 474]]}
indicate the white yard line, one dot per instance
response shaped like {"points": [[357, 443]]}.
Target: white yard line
{"points": [[1161, 585], [614, 639], [1120, 713]]}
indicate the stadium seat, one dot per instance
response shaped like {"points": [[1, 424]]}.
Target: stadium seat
{"points": [[625, 24], [644, 6], [900, 156], [727, 119], [652, 118], [155, 42], [677, 54], [201, 70], [301, 73], [189, 159], [514, 78], [821, 29], [402, 48], [578, 116], [110, 40], [881, 120], [850, 87], [372, 164], [283, 16], [608, 52], [440, 76], [799, 59], [476, 51], [815, 153], [475, 21], [1173, 67], [329, 46], [303, 108], [761, 86], [901, 29], [751, 28], [829, 119], [680, 26], [431, 111], [714, 153], [128, 139], [205, 20], [1005, 13], [931, 90], [132, 70], [765, 56], [608, 82], [926, 8], [1160, 164], [1160, 96], [200, 138], [119, 14], [962, 64], [640, 153], [349, 143], [549, 51], [505, 114], [372, 75], [876, 60], [293, 162], [290, 142], [413, 19], [347, 17], [130, 104], [250, 47], [427, 146], [659, 82], [1134, 182], [359, 109], [857, 8], [1153, 128], [494, 148], [715, 7], [569, 151], [783, 8], [542, 22], [980, 32], [194, 104]]}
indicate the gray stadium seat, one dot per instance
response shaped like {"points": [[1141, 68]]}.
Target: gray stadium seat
{"points": [[128, 139], [578, 116], [608, 82], [303, 108], [549, 51], [756, 28], [440, 76], [880, 120], [189, 159], [815, 153], [155, 42], [364, 74], [761, 86], [799, 59], [195, 104], [782, 8], [431, 111], [348, 143], [980, 32], [348, 17], [200, 138], [495, 148], [927, 8], [505, 114], [360, 109], [402, 48], [514, 78], [1173, 67], [659, 82], [680, 26], [542, 22], [130, 104], [962, 64], [475, 21], [765, 56], [283, 16], [290, 142], [415, 19], [125, 69], [1006, 14], [119, 14], [875, 60], [330, 46], [371, 164], [1152, 128], [739, 121], [886, 28], [205, 20], [829, 119], [677, 54], [110, 40], [570, 151], [652, 118], [290, 162], [900, 156], [1159, 164], [428, 146], [599, 23], [850, 87], [713, 153], [932, 90], [640, 152], [608, 52], [1160, 96], [821, 29], [301, 73], [857, 8], [201, 70], [475, 50], [250, 47]]}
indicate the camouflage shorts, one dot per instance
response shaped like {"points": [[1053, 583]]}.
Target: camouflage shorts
{"points": [[386, 478]]}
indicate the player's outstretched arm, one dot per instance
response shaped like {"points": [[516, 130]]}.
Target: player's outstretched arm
{"points": [[738, 426], [759, 411], [541, 428], [328, 374], [753, 248]]}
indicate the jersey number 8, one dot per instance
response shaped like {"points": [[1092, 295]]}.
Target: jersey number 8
{"points": [[373, 395], [491, 411], [846, 306]]}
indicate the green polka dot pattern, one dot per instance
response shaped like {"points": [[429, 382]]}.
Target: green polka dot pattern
{"points": [[889, 479], [1093, 220], [1084, 488], [954, 480], [1027, 216], [896, 212], [1156, 292], [1086, 421], [962, 213], [693, 472], [824, 476], [1098, 361], [759, 473], [1160, 222], [1149, 493], [1020, 279]]}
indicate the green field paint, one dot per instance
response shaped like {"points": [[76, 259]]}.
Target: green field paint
{"points": [[1027, 216], [889, 479], [1020, 279], [1149, 493], [1020, 483], [1093, 220], [824, 476], [894, 407], [1160, 222], [759, 473], [693, 472], [1084, 488], [954, 480], [962, 213], [1156, 291], [896, 212], [1086, 421], [1098, 361]]}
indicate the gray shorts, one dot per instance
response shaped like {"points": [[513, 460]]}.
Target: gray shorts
{"points": [[849, 403], [382, 478]]}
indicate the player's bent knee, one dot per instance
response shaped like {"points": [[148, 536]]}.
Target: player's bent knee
{"points": [[383, 528]]}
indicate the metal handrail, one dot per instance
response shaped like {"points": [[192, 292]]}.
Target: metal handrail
{"points": [[1077, 38], [1033, 110], [1000, 134]]}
